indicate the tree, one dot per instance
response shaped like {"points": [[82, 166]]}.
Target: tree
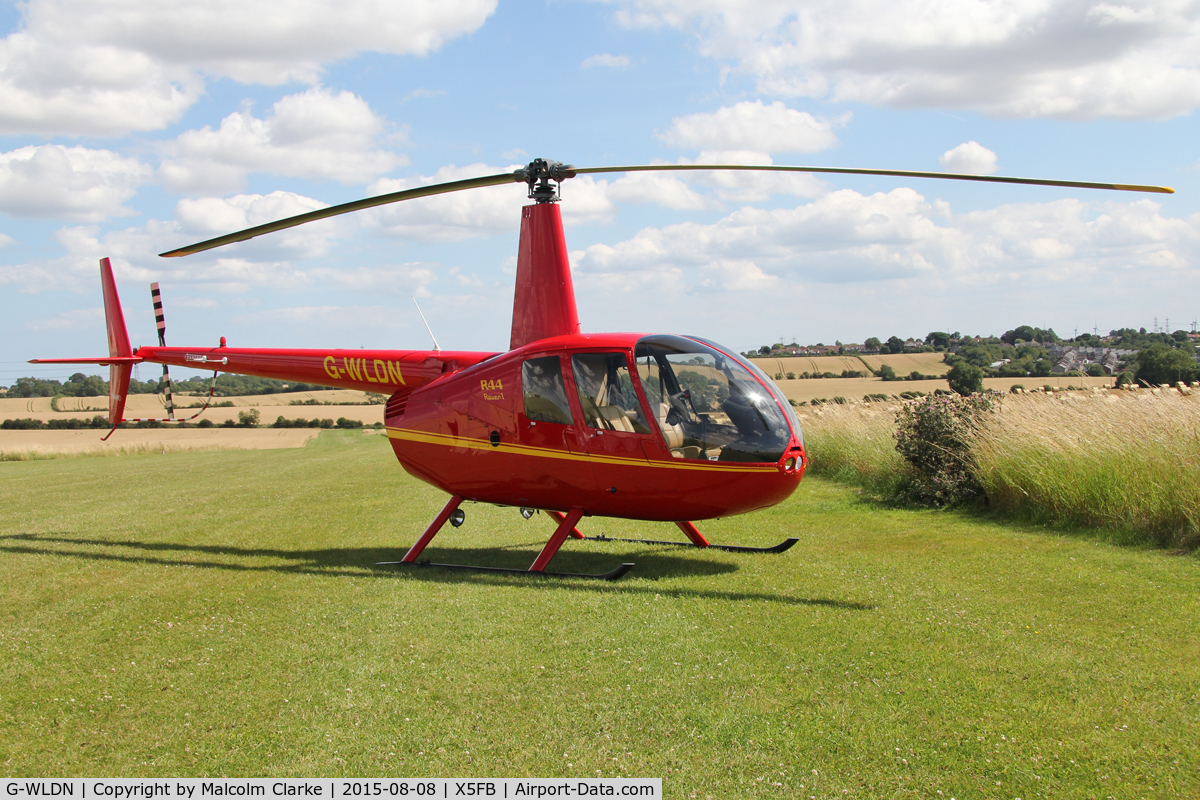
{"points": [[1159, 364], [894, 345], [965, 378], [1021, 332], [887, 373], [1095, 370], [939, 340], [873, 343]]}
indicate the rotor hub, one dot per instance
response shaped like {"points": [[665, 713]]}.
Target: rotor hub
{"points": [[538, 174]]}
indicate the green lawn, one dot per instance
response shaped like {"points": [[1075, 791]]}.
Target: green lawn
{"points": [[219, 613]]}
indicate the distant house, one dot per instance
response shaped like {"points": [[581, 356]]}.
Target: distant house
{"points": [[913, 344]]}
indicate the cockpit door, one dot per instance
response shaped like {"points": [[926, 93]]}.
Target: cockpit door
{"points": [[547, 430], [618, 436]]}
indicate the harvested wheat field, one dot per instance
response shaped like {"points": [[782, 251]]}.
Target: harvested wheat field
{"points": [[352, 406], [853, 389], [904, 363], [14, 444], [798, 364]]}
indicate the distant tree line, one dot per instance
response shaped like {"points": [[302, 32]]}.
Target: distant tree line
{"points": [[80, 385]]}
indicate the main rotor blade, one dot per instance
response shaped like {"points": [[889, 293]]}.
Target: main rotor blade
{"points": [[570, 172], [344, 208], [1122, 187]]}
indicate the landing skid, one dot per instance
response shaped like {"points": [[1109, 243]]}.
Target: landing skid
{"points": [[786, 544], [611, 575]]}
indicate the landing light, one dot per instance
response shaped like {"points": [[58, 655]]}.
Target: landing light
{"points": [[458, 517]]}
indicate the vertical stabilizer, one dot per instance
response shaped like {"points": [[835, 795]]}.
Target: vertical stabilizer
{"points": [[544, 301], [118, 346]]}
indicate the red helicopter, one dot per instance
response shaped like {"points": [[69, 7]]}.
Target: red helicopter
{"points": [[633, 425]]}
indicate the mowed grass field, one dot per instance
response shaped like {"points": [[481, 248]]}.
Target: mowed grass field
{"points": [[220, 614]]}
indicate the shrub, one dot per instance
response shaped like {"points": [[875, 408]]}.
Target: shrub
{"points": [[248, 419], [932, 435], [24, 424], [342, 422], [888, 373], [965, 378], [204, 423]]}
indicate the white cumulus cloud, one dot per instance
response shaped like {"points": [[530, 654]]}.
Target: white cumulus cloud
{"points": [[314, 134], [78, 67], [756, 127], [970, 158], [70, 183], [1077, 59]]}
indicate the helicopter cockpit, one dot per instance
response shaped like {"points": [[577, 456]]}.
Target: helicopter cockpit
{"points": [[710, 405]]}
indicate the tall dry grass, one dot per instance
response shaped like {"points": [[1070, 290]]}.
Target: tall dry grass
{"points": [[856, 444], [1129, 464], [1126, 464]]}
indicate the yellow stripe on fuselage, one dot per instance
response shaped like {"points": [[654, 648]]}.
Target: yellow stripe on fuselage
{"points": [[463, 442]]}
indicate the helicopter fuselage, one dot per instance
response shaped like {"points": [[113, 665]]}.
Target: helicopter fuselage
{"points": [[484, 433]]}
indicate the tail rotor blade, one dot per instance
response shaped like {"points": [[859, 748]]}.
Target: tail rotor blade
{"points": [[161, 322]]}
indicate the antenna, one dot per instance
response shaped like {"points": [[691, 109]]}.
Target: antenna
{"points": [[436, 347]]}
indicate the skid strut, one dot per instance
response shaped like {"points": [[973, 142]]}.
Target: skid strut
{"points": [[566, 527], [696, 539]]}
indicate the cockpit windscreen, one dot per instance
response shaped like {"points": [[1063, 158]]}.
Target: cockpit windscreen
{"points": [[708, 405]]}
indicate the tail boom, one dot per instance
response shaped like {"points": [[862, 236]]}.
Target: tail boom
{"points": [[382, 371]]}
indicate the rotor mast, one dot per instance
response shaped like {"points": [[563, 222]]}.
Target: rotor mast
{"points": [[544, 295]]}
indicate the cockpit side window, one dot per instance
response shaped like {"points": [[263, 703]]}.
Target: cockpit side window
{"points": [[606, 393], [544, 391]]}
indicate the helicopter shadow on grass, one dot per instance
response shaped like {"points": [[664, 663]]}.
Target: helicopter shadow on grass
{"points": [[652, 564]]}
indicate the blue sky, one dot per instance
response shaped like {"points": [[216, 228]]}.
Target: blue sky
{"points": [[128, 128]]}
